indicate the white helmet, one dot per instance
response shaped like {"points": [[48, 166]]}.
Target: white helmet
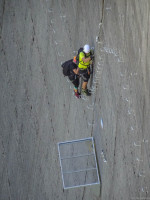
{"points": [[86, 48]]}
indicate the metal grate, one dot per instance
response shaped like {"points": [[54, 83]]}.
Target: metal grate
{"points": [[78, 163]]}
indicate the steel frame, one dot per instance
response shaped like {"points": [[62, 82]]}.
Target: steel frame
{"points": [[83, 155]]}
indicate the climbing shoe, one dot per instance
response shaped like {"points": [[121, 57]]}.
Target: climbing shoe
{"points": [[77, 94], [89, 91], [86, 92]]}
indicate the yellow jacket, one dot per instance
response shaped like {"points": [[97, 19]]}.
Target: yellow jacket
{"points": [[82, 64]]}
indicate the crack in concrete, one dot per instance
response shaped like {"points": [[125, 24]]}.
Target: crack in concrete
{"points": [[148, 25], [3, 10], [103, 2], [100, 193], [3, 7], [101, 21], [98, 168], [83, 194]]}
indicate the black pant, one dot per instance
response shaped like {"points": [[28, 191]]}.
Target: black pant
{"points": [[84, 75], [75, 80]]}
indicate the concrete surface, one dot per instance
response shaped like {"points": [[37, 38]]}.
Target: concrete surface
{"points": [[38, 109]]}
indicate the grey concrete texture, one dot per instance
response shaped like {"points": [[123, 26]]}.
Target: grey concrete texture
{"points": [[38, 109]]}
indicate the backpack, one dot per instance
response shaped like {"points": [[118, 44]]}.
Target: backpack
{"points": [[66, 67], [77, 56]]}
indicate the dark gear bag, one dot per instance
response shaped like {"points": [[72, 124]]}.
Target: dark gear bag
{"points": [[66, 67]]}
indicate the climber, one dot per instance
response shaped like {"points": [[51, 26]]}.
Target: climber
{"points": [[70, 69], [85, 59], [74, 78]]}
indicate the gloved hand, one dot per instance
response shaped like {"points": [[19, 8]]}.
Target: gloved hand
{"points": [[92, 51]]}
